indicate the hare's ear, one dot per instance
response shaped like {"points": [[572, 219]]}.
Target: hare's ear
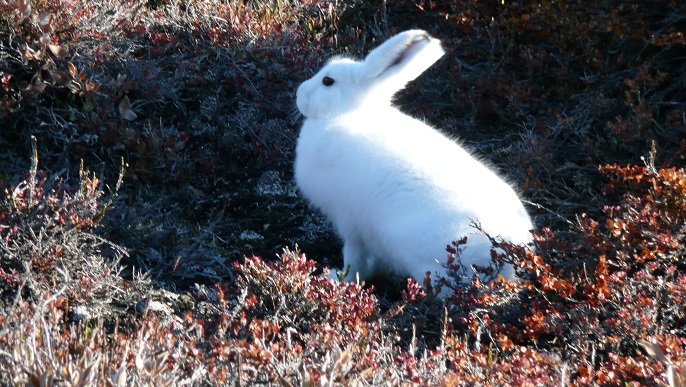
{"points": [[401, 59]]}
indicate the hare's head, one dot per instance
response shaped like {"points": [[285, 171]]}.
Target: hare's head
{"points": [[344, 85]]}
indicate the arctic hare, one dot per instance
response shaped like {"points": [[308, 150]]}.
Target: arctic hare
{"points": [[396, 190]]}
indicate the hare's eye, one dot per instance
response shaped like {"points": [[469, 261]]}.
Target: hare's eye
{"points": [[327, 81]]}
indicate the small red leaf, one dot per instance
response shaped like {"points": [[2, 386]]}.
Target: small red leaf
{"points": [[60, 77], [72, 69], [45, 22], [58, 51]]}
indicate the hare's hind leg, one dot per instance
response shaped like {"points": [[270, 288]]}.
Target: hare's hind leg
{"points": [[355, 260]]}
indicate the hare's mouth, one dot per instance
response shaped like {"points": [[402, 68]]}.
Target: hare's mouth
{"points": [[423, 38]]}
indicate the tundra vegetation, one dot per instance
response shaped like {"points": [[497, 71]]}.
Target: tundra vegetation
{"points": [[150, 233]]}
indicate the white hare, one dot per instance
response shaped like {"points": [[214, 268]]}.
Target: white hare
{"points": [[396, 190]]}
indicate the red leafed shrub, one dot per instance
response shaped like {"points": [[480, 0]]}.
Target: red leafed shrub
{"points": [[593, 297], [55, 203], [290, 324], [288, 291], [47, 243], [42, 203]]}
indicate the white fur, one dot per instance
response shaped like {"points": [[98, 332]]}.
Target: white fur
{"points": [[397, 190]]}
